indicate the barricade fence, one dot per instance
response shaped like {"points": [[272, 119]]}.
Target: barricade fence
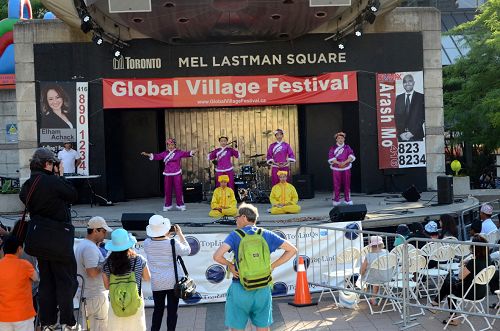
{"points": [[416, 277]]}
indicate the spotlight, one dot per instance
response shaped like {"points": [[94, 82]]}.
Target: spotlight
{"points": [[370, 17], [117, 52], [86, 25], [97, 39], [374, 5], [341, 44], [358, 33], [358, 27]]}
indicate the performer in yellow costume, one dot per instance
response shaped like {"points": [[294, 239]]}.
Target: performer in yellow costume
{"points": [[223, 201], [284, 197]]}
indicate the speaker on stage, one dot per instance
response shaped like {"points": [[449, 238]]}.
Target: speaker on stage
{"points": [[304, 184], [445, 190], [347, 213], [135, 221], [192, 192], [411, 194]]}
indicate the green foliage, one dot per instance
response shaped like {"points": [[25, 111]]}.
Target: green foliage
{"points": [[36, 7], [471, 85]]}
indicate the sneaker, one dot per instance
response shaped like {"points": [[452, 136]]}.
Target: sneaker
{"points": [[349, 202], [181, 208], [49, 328], [269, 210], [75, 327], [165, 208], [335, 203]]}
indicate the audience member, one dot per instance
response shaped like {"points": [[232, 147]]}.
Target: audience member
{"points": [[431, 229], [89, 262], [243, 304], [485, 216], [404, 232], [448, 226], [375, 276], [16, 303], [160, 258], [123, 261]]}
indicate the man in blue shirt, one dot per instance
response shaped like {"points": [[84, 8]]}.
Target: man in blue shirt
{"points": [[241, 304]]}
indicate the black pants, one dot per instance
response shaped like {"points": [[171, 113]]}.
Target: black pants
{"points": [[172, 305], [58, 285]]}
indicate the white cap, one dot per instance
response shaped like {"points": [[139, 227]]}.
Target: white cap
{"points": [[487, 209], [97, 222]]}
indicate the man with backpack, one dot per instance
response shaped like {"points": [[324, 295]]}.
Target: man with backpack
{"points": [[249, 296]]}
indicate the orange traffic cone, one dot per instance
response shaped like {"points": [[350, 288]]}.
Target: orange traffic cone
{"points": [[302, 295]]}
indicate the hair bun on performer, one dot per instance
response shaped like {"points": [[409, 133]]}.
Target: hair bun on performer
{"points": [[279, 131], [340, 134], [282, 173], [223, 178], [171, 141]]}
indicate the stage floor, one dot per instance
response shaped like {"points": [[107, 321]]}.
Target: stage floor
{"points": [[383, 210]]}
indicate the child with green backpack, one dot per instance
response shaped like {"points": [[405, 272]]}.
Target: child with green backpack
{"points": [[123, 272], [249, 296]]}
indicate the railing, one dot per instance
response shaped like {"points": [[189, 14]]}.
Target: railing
{"points": [[337, 260]]}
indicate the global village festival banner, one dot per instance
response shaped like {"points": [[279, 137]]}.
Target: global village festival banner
{"points": [[228, 91], [212, 281], [401, 120]]}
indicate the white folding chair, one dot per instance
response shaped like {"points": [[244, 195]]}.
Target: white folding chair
{"points": [[461, 252], [443, 254], [386, 263], [457, 303], [415, 264], [343, 269], [497, 307]]}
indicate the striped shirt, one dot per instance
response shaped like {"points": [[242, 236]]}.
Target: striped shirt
{"points": [[161, 262]]}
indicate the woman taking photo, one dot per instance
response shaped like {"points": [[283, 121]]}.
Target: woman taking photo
{"points": [[121, 262], [158, 250], [56, 108]]}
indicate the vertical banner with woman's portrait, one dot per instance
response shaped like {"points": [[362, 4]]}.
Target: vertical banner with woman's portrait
{"points": [[63, 118], [401, 120]]}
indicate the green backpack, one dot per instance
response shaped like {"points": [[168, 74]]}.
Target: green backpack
{"points": [[124, 294], [254, 260]]}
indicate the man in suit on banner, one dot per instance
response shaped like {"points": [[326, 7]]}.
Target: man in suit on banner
{"points": [[410, 112]]}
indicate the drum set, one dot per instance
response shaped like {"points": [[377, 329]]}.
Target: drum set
{"points": [[253, 183]]}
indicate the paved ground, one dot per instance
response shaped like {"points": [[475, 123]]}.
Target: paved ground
{"points": [[323, 317]]}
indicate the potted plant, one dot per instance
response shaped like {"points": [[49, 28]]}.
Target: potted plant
{"points": [[461, 183]]}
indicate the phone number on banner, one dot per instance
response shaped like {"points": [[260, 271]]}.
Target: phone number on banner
{"points": [[411, 154]]}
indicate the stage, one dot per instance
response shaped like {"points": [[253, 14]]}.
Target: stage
{"points": [[383, 210]]}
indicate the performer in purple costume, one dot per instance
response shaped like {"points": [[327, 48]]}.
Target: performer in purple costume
{"points": [[279, 156], [223, 165], [340, 158], [172, 172]]}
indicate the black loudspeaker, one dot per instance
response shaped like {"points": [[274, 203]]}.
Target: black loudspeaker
{"points": [[135, 221], [445, 190], [411, 194], [193, 192], [347, 213], [304, 184]]}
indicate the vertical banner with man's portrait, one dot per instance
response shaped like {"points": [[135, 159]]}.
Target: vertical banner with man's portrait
{"points": [[63, 117], [401, 120]]}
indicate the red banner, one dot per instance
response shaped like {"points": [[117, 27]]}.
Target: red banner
{"points": [[7, 82], [228, 91], [386, 122]]}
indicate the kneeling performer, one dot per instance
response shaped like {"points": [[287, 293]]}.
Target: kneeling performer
{"points": [[284, 197], [223, 201]]}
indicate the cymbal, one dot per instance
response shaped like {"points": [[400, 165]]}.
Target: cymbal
{"points": [[256, 155]]}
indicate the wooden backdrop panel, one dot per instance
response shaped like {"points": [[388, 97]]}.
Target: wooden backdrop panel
{"points": [[251, 127]]}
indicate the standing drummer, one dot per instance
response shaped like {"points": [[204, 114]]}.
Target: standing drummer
{"points": [[279, 156], [221, 157]]}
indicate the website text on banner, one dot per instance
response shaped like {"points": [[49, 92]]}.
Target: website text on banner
{"points": [[401, 120], [229, 91]]}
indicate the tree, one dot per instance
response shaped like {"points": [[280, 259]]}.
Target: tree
{"points": [[471, 85], [36, 7]]}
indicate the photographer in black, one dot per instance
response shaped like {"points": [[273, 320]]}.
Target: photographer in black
{"points": [[52, 237]]}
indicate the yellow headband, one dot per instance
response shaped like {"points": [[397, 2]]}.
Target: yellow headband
{"points": [[281, 172], [224, 178]]}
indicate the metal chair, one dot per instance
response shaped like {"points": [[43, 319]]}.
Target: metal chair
{"points": [[443, 254], [482, 278]]}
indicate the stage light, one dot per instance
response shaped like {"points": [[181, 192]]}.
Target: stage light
{"points": [[358, 28], [341, 45], [370, 17], [97, 39], [358, 33], [86, 25], [374, 5], [117, 52]]}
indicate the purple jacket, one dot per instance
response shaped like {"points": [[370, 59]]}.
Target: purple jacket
{"points": [[280, 152], [223, 157], [172, 160], [340, 153]]}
